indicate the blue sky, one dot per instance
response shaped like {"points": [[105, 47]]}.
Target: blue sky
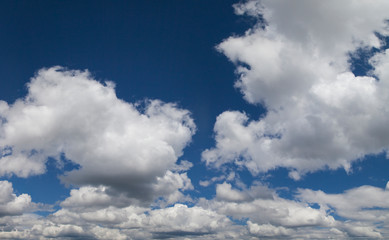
{"points": [[194, 119]]}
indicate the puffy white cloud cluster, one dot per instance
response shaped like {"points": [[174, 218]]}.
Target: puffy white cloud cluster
{"points": [[263, 206], [128, 185], [96, 212], [297, 65], [11, 204], [268, 230], [126, 153], [87, 214], [361, 203], [365, 208], [178, 222], [127, 156], [358, 212], [127, 147]]}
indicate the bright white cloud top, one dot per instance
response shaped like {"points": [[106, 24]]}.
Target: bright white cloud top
{"points": [[67, 113], [131, 181], [319, 114]]}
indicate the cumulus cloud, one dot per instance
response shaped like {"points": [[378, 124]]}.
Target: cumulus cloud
{"points": [[11, 204], [64, 231], [95, 197], [128, 184], [141, 223], [358, 212], [168, 188], [265, 209], [20, 226], [365, 207], [359, 203], [86, 213], [296, 62], [266, 214], [66, 113], [267, 230], [182, 220], [171, 186]]}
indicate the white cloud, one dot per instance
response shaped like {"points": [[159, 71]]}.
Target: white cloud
{"points": [[127, 155], [107, 233], [230, 177], [26, 226], [225, 192], [263, 206], [171, 186], [141, 223], [319, 114], [11, 204], [357, 203], [362, 211], [117, 144], [63, 231], [14, 235], [93, 212], [356, 230], [266, 215], [180, 218], [277, 211], [183, 166], [169, 189], [95, 197], [267, 230]]}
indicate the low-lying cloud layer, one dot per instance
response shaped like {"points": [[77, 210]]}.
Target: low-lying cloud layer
{"points": [[87, 213]]}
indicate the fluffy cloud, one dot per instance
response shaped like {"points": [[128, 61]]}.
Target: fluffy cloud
{"points": [[94, 197], [127, 147], [225, 192], [20, 227], [136, 222], [87, 214], [267, 230], [296, 62], [103, 221], [63, 231], [358, 212], [10, 204], [182, 220], [365, 207], [168, 188], [266, 208]]}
